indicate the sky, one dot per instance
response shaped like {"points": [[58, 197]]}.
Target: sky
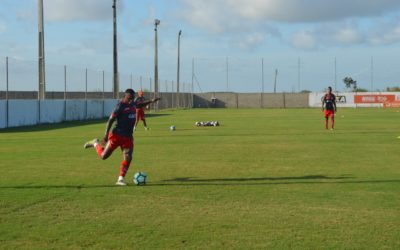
{"points": [[234, 45]]}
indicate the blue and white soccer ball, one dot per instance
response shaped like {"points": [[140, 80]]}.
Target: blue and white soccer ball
{"points": [[172, 128], [140, 178]]}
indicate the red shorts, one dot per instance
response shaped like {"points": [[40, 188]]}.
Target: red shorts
{"points": [[329, 113], [139, 114], [116, 141]]}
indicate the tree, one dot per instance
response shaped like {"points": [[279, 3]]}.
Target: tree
{"points": [[350, 83], [393, 89]]}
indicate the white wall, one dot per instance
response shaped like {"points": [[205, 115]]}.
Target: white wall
{"points": [[26, 112], [3, 113], [347, 99], [23, 112], [109, 106], [52, 111], [76, 110], [94, 109]]}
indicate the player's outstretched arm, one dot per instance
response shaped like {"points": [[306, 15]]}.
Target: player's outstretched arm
{"points": [[145, 103], [108, 128]]}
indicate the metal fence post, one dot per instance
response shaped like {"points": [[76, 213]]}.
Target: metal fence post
{"points": [[86, 82], [65, 92], [103, 96], [7, 116]]}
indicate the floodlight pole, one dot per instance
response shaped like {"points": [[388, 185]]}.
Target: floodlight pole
{"points": [[335, 75], [298, 73], [42, 79], [115, 53], [178, 68], [156, 23]]}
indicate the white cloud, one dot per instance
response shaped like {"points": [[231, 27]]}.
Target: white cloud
{"points": [[348, 35], [218, 15], [3, 27], [385, 33], [325, 22], [78, 10], [304, 40], [250, 41]]}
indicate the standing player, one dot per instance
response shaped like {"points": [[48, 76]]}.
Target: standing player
{"points": [[329, 102], [140, 111], [122, 134]]}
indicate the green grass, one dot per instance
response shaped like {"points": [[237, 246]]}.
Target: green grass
{"points": [[265, 179]]}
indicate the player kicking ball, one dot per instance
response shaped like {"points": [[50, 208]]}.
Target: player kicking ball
{"points": [[122, 134], [329, 106]]}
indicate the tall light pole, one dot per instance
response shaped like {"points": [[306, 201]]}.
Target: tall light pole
{"points": [[115, 54], [178, 68], [276, 76], [227, 74], [156, 23], [335, 75], [372, 73], [42, 78], [298, 73]]}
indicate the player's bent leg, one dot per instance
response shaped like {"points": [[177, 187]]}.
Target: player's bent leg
{"points": [[91, 143], [127, 152], [106, 152]]}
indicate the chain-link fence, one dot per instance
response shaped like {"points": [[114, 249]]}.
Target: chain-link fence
{"points": [[19, 81], [207, 74]]}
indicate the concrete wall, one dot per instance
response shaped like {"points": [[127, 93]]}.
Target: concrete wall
{"points": [[94, 109], [3, 113], [274, 100], [348, 99], [76, 110], [23, 112], [251, 100], [52, 111], [31, 112]]}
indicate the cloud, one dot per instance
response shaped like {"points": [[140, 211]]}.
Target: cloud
{"points": [[304, 40], [348, 35], [250, 41], [385, 33], [218, 15], [3, 27], [78, 10], [324, 22]]}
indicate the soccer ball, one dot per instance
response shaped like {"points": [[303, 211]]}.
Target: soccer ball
{"points": [[140, 178], [172, 128]]}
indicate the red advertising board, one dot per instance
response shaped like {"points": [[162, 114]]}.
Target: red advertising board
{"points": [[358, 99]]}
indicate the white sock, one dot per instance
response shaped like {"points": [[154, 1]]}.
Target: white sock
{"points": [[121, 178]]}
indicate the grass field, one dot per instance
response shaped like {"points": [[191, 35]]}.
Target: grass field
{"points": [[265, 179]]}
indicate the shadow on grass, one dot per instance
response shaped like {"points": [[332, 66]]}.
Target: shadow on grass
{"points": [[62, 125], [307, 177], [58, 186], [51, 126], [191, 181], [305, 180]]}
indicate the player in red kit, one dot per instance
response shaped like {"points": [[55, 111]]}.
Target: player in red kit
{"points": [[122, 134], [329, 107], [140, 111]]}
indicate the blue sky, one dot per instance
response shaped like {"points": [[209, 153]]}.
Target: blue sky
{"points": [[78, 33]]}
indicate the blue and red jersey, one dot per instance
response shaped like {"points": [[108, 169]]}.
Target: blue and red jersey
{"points": [[329, 100], [125, 115], [140, 99]]}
